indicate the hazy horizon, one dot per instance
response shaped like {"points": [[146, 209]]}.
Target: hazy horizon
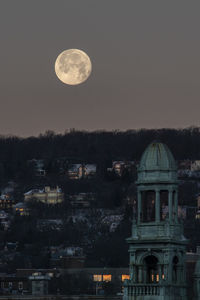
{"points": [[69, 130]]}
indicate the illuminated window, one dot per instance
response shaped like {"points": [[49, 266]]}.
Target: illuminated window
{"points": [[155, 277], [163, 276], [97, 277], [124, 277], [107, 278]]}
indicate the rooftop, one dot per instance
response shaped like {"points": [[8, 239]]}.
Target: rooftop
{"points": [[157, 164]]}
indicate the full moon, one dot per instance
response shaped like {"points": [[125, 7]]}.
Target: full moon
{"points": [[73, 66]]}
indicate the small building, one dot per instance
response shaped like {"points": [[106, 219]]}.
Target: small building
{"points": [[74, 258], [39, 284], [119, 166], [11, 246], [90, 170], [5, 220], [69, 257], [46, 195], [195, 165], [21, 209], [6, 202], [11, 284], [75, 171], [80, 171], [197, 217], [37, 272]]}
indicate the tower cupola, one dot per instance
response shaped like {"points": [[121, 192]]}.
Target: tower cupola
{"points": [[157, 164], [157, 245]]}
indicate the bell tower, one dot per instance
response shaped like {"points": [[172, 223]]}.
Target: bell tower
{"points": [[157, 246]]}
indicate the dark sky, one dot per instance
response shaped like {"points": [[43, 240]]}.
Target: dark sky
{"points": [[145, 56]]}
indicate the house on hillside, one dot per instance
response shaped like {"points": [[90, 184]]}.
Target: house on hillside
{"points": [[6, 201], [80, 171], [47, 195], [121, 165], [21, 209]]}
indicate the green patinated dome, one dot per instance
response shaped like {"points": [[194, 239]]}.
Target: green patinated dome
{"points": [[157, 164]]}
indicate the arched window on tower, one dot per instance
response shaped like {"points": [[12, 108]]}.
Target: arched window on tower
{"points": [[175, 269], [148, 206], [151, 269], [164, 209]]}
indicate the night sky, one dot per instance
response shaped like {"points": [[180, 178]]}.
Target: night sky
{"points": [[145, 57]]}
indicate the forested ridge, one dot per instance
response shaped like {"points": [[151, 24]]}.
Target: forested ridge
{"points": [[101, 246], [100, 147]]}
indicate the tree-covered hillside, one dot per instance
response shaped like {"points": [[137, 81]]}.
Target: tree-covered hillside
{"points": [[114, 195], [100, 147]]}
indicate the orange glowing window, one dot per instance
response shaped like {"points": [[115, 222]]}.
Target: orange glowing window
{"points": [[157, 277], [97, 277], [163, 276], [125, 276], [107, 278]]}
